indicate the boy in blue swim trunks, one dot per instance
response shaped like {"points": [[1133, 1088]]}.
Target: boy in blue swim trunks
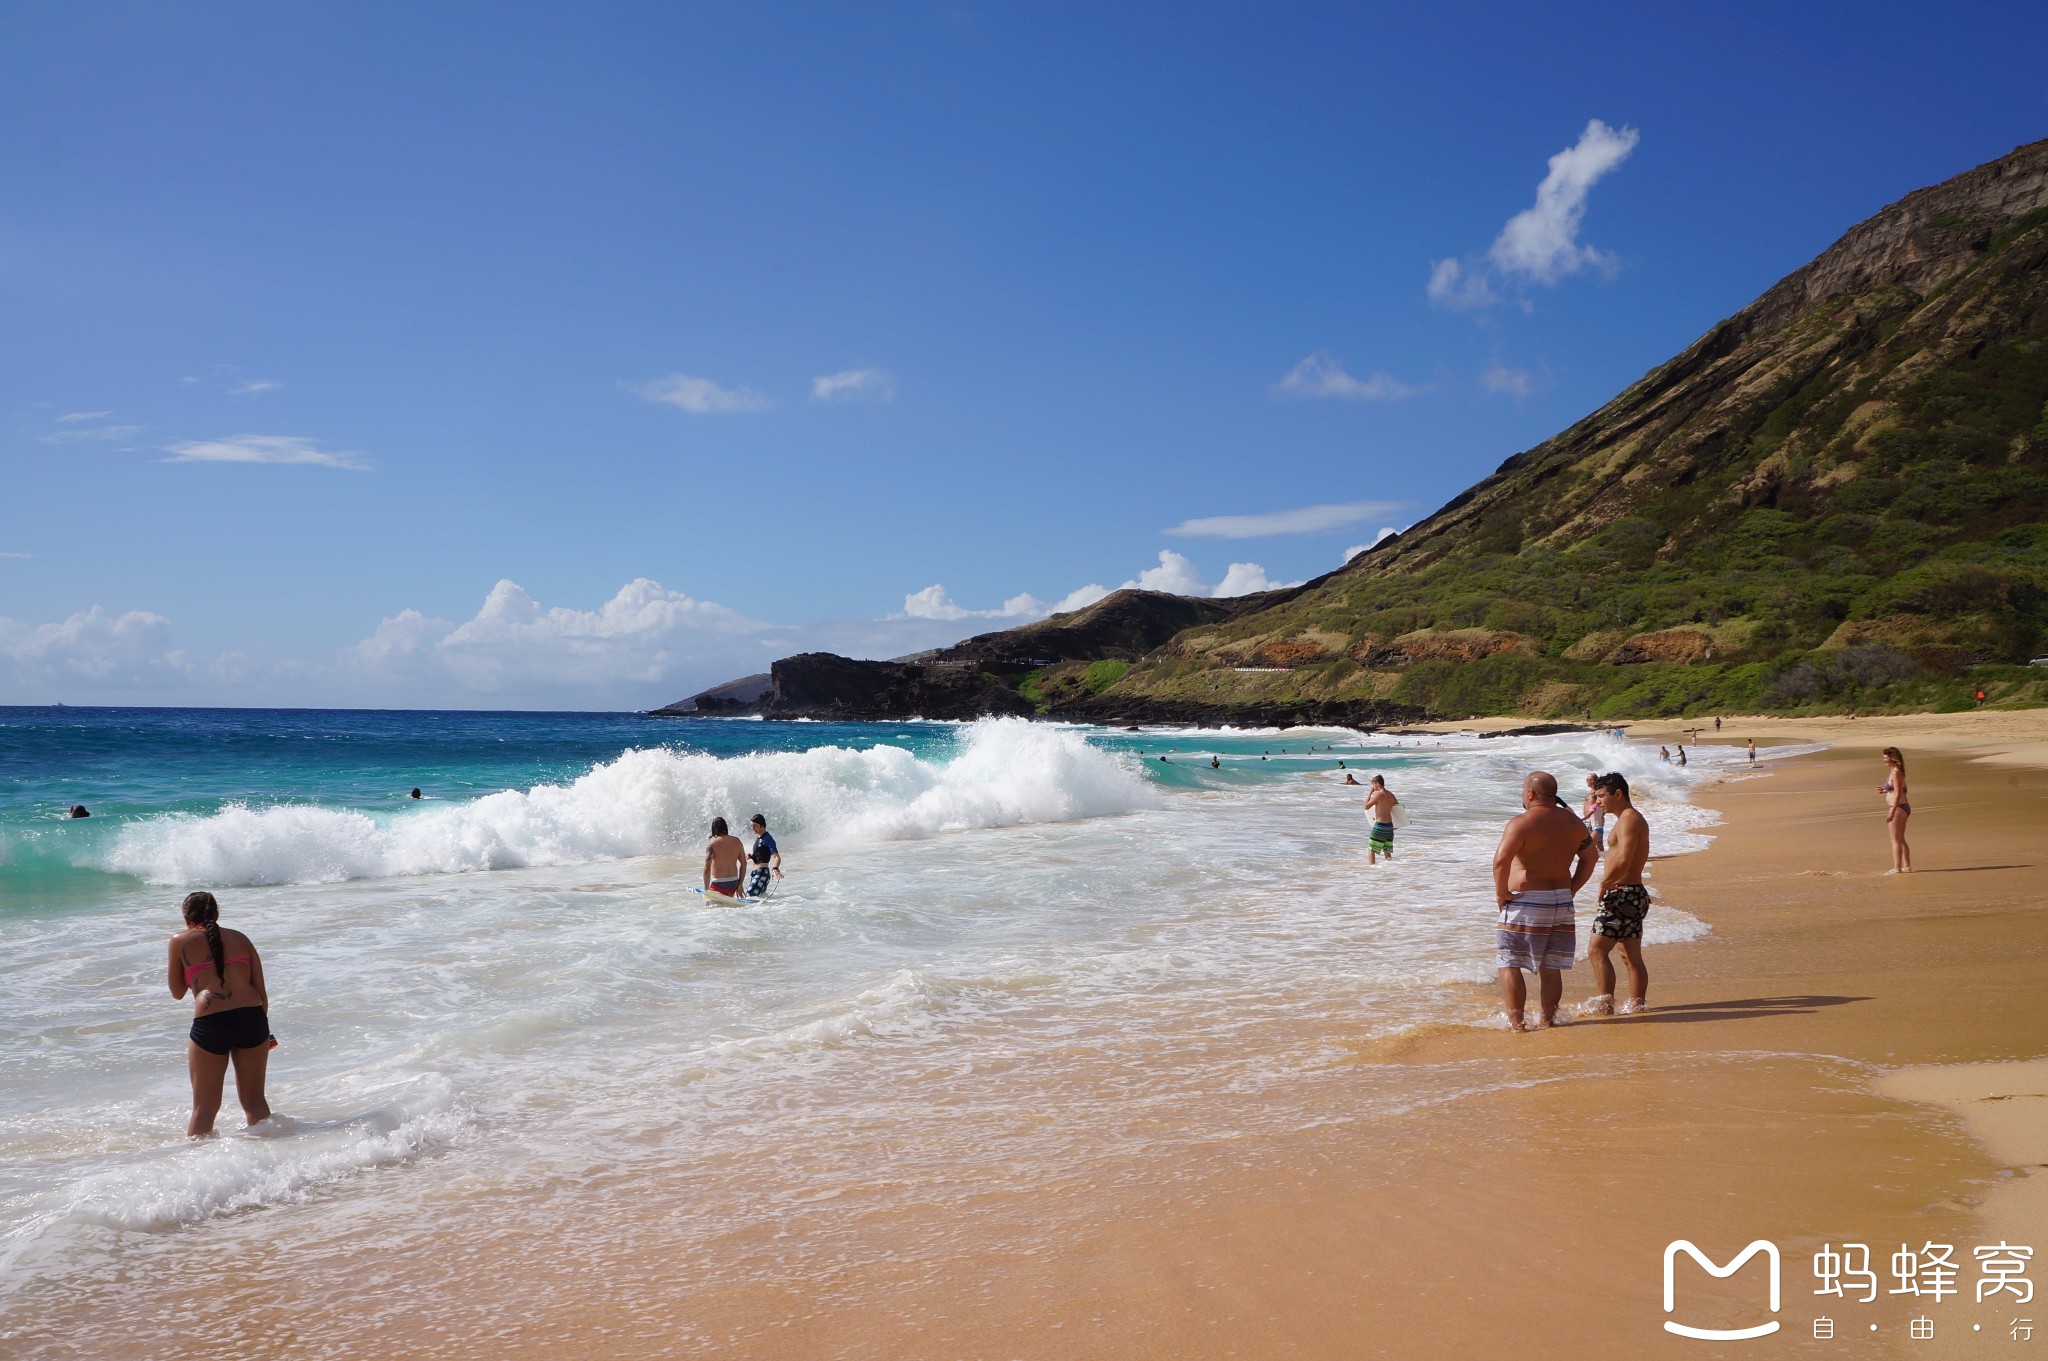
{"points": [[765, 856]]}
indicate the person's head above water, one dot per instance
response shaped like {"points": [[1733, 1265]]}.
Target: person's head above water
{"points": [[759, 822], [718, 827], [415, 793]]}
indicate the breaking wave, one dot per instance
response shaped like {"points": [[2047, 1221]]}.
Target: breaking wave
{"points": [[651, 801]]}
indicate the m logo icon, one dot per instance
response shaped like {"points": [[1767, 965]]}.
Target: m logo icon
{"points": [[1671, 1251]]}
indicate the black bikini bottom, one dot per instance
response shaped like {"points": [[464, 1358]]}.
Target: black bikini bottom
{"points": [[242, 1028]]}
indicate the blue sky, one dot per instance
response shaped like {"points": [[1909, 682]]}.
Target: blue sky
{"points": [[320, 322]]}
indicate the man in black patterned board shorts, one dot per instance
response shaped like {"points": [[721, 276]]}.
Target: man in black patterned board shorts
{"points": [[1624, 902]]}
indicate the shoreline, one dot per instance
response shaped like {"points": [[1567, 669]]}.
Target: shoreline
{"points": [[1515, 1199]]}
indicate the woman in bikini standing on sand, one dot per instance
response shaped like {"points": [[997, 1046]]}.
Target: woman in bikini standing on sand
{"points": [[1896, 810], [230, 1013]]}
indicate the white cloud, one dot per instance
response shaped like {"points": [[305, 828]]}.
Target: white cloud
{"points": [[1247, 578], [1450, 285], [1175, 575], [935, 602], [1301, 520], [94, 650], [1323, 375], [1542, 242], [255, 385], [16, 555], [263, 449], [853, 385], [1081, 597], [83, 416], [1498, 377], [1386, 532], [698, 396], [85, 434], [643, 636]]}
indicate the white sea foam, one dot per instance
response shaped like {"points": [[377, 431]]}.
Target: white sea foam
{"points": [[284, 1159], [649, 802]]}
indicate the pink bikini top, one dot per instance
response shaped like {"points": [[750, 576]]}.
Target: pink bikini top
{"points": [[193, 971]]}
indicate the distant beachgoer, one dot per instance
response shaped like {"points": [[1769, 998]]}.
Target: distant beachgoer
{"points": [[1624, 902], [725, 861], [1664, 753], [1546, 855], [765, 854], [1595, 814], [79, 810], [1681, 753], [230, 1013], [1340, 765], [1380, 803], [415, 793], [1752, 751], [1897, 810], [1164, 762], [1717, 722], [1980, 694], [1215, 763], [1350, 779]]}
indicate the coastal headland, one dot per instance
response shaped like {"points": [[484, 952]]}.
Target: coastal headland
{"points": [[1832, 501]]}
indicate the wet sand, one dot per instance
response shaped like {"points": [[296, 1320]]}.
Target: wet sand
{"points": [[1519, 1204]]}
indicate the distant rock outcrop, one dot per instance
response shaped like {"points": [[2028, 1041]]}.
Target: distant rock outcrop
{"points": [[742, 696]]}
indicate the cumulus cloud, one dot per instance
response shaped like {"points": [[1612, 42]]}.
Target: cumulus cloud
{"points": [[935, 602], [853, 385], [1386, 532], [1248, 578], [263, 449], [1322, 375], [698, 396], [1498, 377], [1301, 520], [645, 634], [1542, 241], [253, 386], [93, 650], [1540, 244]]}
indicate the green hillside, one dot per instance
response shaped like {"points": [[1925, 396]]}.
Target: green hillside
{"points": [[1833, 499]]}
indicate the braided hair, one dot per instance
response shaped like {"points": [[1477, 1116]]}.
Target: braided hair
{"points": [[202, 910]]}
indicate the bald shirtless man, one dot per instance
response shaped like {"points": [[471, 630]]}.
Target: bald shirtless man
{"points": [[1546, 855]]}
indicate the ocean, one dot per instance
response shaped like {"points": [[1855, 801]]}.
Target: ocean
{"points": [[1008, 958]]}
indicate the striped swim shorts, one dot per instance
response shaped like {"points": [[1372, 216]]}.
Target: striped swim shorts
{"points": [[1537, 930]]}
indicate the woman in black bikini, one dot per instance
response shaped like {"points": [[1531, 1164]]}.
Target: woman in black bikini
{"points": [[1897, 810], [230, 1016]]}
